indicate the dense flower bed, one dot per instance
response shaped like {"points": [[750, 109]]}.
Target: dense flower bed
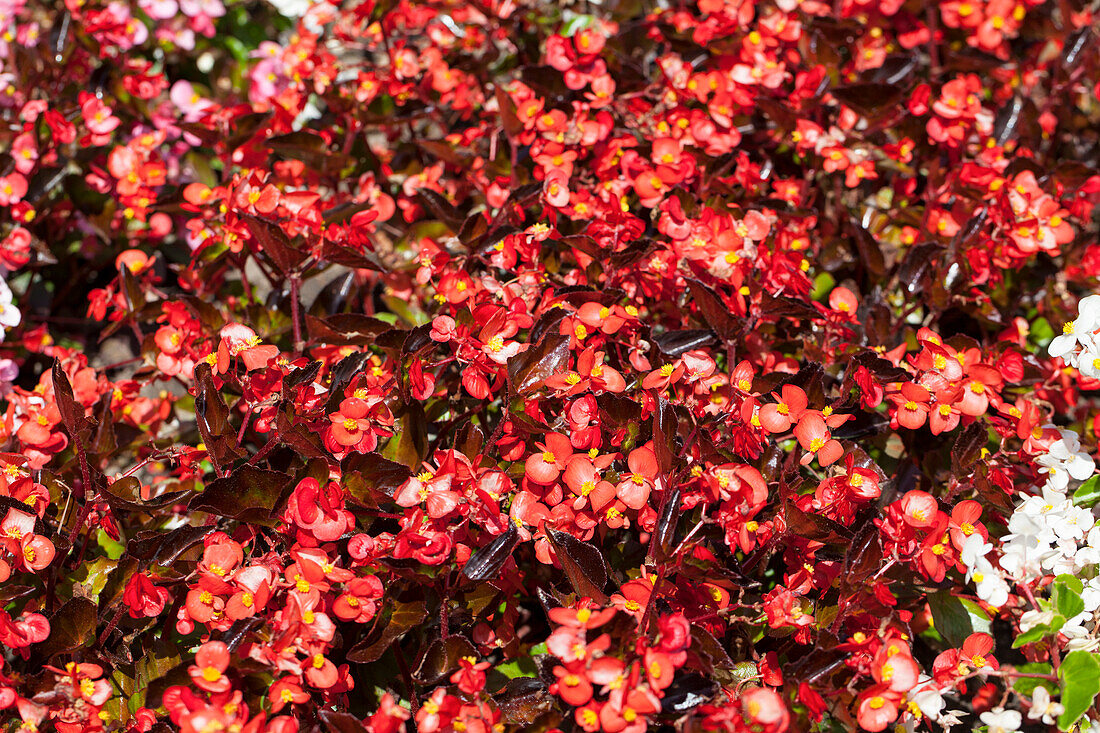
{"points": [[484, 365]]}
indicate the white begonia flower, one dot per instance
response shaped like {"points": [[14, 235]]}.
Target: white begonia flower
{"points": [[950, 719], [1088, 363], [1079, 638], [989, 584], [1002, 721], [1077, 330], [1021, 558], [9, 314], [298, 8], [1091, 594], [1042, 707], [1055, 470], [1089, 553], [927, 697], [1074, 525], [1030, 619], [1077, 462], [974, 548]]}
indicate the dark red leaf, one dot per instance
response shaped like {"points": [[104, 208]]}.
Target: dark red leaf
{"points": [[528, 369], [249, 494], [270, 238], [486, 562], [368, 478], [442, 658], [583, 564], [400, 619]]}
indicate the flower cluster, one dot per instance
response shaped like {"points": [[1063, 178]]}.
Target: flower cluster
{"points": [[503, 365]]}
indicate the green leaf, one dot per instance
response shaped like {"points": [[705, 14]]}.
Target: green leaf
{"points": [[98, 572], [823, 285], [1088, 493], [957, 618], [578, 23], [113, 549], [1079, 675], [1066, 595], [1040, 632], [520, 667], [1027, 685], [1041, 333]]}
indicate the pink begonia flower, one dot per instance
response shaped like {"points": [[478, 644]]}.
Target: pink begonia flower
{"points": [[159, 9], [190, 103], [209, 8]]}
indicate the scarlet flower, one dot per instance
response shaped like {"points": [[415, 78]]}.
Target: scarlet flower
{"points": [[261, 199], [919, 508], [211, 661], [764, 707], [24, 152], [203, 606], [588, 716], [320, 672], [545, 466], [844, 302], [97, 116], [590, 489], [350, 425], [658, 669], [911, 404], [778, 417], [358, 602], [432, 490], [15, 248], [895, 669], [633, 597], [251, 592], [572, 684], [286, 691], [634, 489], [437, 711], [556, 189], [943, 418], [584, 617], [878, 708], [630, 716], [814, 437], [389, 718], [143, 598], [936, 552], [964, 522], [973, 656], [470, 676]]}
